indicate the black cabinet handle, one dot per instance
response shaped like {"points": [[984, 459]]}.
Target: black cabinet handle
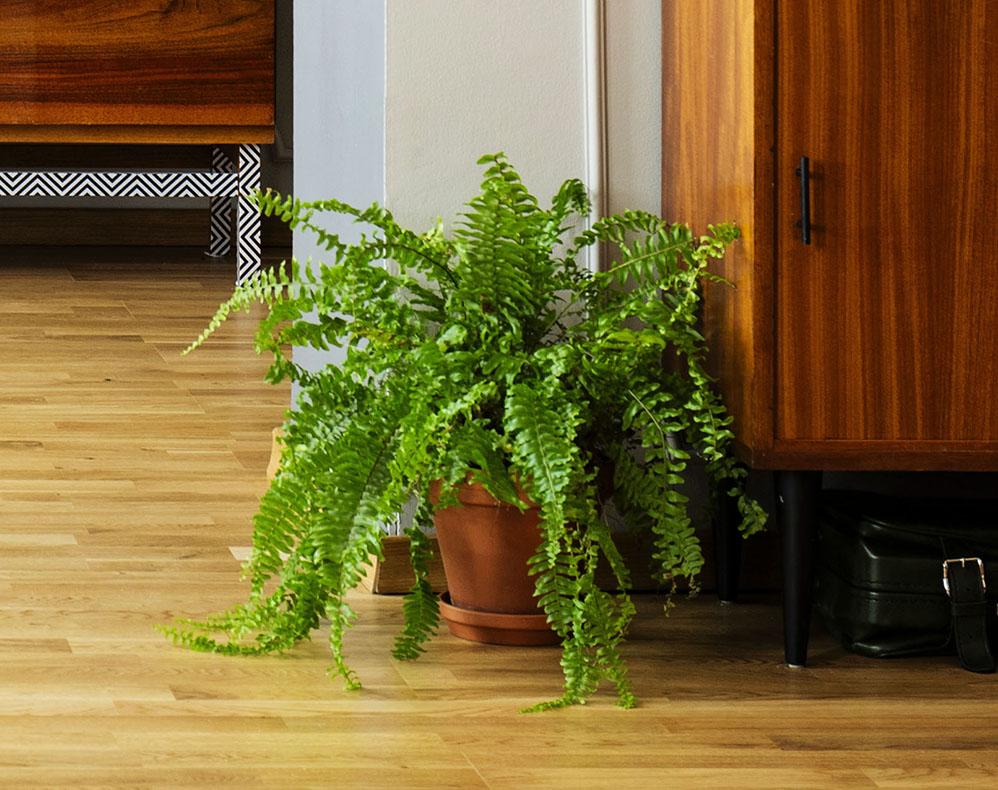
{"points": [[804, 173]]}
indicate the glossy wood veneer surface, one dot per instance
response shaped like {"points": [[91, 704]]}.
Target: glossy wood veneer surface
{"points": [[150, 134], [714, 56], [716, 116], [870, 456], [887, 324], [143, 71]]}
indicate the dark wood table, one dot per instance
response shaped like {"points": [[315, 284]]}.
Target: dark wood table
{"points": [[151, 72]]}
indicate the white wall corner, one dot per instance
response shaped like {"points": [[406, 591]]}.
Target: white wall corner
{"points": [[594, 67]]}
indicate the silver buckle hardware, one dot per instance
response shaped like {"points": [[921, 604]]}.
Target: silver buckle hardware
{"points": [[963, 563]]}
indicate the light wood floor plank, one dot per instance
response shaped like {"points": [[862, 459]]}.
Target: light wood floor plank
{"points": [[127, 477]]}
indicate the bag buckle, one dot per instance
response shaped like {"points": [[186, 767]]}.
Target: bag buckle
{"points": [[963, 564]]}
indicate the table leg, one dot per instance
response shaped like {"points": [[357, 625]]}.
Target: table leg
{"points": [[221, 209], [798, 496], [248, 218]]}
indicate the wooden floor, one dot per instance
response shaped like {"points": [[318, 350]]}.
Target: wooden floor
{"points": [[126, 476]]}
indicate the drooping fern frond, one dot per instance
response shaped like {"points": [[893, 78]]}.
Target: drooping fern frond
{"points": [[420, 605], [267, 286]]}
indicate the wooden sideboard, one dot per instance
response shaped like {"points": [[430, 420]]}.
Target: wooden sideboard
{"points": [[142, 71], [192, 72], [856, 144]]}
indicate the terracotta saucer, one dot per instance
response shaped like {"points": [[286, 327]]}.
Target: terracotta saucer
{"points": [[496, 629]]}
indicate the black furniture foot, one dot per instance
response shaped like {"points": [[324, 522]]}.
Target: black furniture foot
{"points": [[727, 547], [798, 497]]}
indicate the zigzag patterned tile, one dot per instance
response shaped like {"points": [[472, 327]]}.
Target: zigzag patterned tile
{"points": [[248, 218], [223, 183], [221, 209], [118, 184]]}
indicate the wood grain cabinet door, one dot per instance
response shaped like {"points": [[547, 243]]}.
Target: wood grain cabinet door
{"points": [[92, 70], [887, 323]]}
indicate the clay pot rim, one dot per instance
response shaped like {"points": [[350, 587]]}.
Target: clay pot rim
{"points": [[472, 494]]}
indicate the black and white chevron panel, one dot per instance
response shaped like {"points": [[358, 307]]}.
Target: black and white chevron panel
{"points": [[223, 184], [248, 217], [220, 161], [111, 183], [221, 209]]}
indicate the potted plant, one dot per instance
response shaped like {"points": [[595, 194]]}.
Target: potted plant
{"points": [[485, 367]]}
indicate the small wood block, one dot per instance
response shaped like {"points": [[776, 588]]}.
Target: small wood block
{"points": [[393, 574]]}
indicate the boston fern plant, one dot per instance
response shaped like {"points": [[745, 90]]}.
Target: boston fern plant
{"points": [[492, 355]]}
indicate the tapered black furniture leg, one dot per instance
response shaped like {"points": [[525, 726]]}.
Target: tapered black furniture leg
{"points": [[798, 497], [727, 547]]}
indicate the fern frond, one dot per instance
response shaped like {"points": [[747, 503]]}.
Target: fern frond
{"points": [[268, 286], [420, 605]]}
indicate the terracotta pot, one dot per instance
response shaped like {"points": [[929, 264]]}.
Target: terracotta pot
{"points": [[485, 545]]}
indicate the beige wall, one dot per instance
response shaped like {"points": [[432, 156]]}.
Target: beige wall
{"points": [[467, 77], [634, 104]]}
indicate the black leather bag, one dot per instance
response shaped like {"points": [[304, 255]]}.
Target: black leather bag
{"points": [[900, 577]]}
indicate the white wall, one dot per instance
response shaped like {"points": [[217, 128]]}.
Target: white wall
{"points": [[634, 104], [468, 77], [339, 108]]}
